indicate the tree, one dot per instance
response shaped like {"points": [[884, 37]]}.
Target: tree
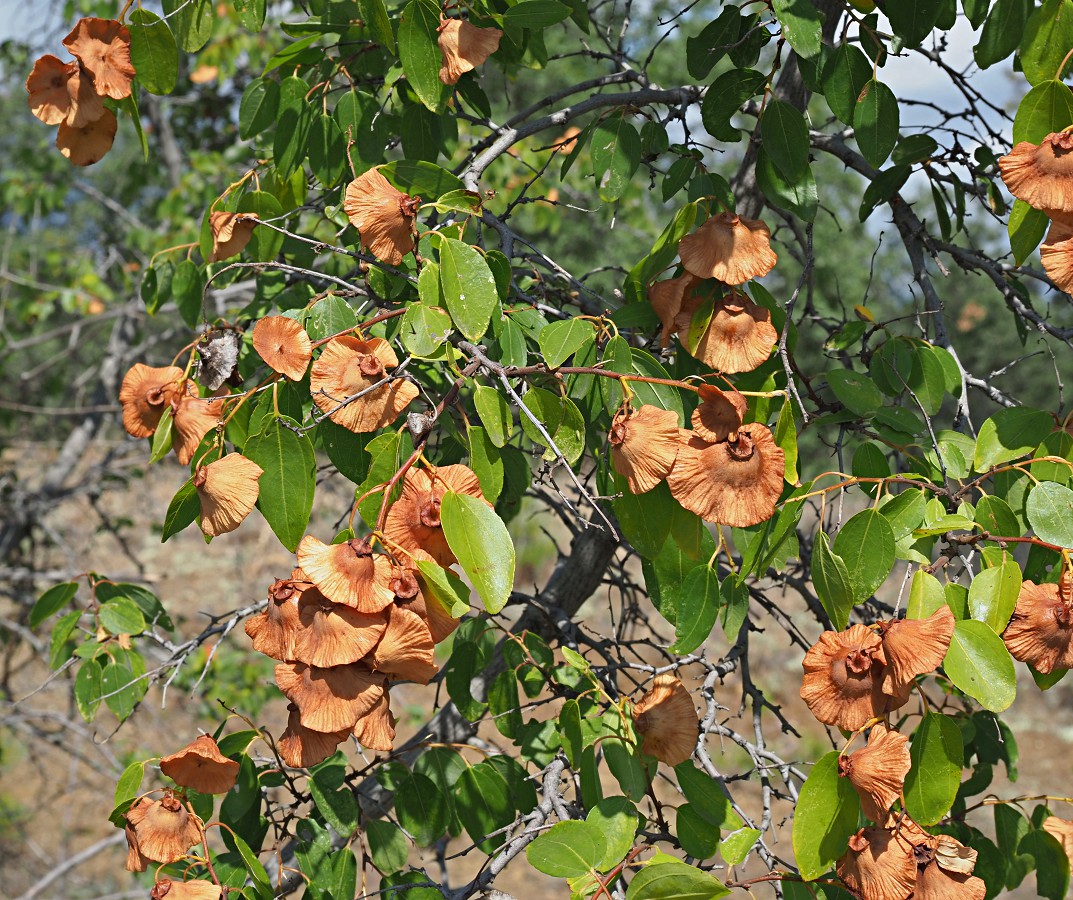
{"points": [[444, 270]]}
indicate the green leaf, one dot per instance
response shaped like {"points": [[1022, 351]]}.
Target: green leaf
{"points": [[336, 803], [374, 14], [616, 154], [420, 178], [123, 683], [479, 539], [295, 120], [88, 689], [937, 755], [616, 819], [560, 340], [253, 866], [535, 14], [561, 419], [251, 13], [1050, 862], [52, 601], [445, 588], [483, 803], [913, 20], [1048, 36], [665, 878], [855, 390], [707, 796], [327, 150], [183, 509], [1002, 32], [121, 616], [993, 594], [1026, 227], [495, 413], [994, 515], [825, 818], [801, 197], [469, 288], [153, 52], [486, 462], [567, 850], [1050, 513], [59, 650], [1009, 434], [187, 287], [129, 782], [192, 21], [926, 595], [801, 23], [422, 809], [980, 665], [866, 544], [697, 836], [875, 122], [645, 518], [1046, 108], [288, 480], [723, 100], [424, 329], [330, 316], [785, 136], [735, 847], [419, 53], [698, 607], [831, 579], [844, 77], [387, 845]]}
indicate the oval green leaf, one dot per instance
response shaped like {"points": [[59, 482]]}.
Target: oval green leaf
{"points": [[866, 544], [1050, 513], [479, 539], [567, 850], [153, 52], [825, 819], [289, 478], [937, 755], [980, 665]]}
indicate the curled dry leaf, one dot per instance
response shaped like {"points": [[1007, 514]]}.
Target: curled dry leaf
{"points": [[719, 415], [413, 521], [644, 445], [734, 483], [1042, 174], [330, 699], [463, 47], [331, 634], [1041, 630], [103, 48], [275, 630], [164, 830], [166, 889], [914, 647], [231, 232], [284, 345], [383, 215], [144, 394], [405, 650], [348, 573], [376, 729], [843, 678], [194, 417], [350, 368], [227, 490], [201, 766], [87, 144], [667, 720], [738, 337], [878, 865], [59, 93], [877, 771], [730, 248]]}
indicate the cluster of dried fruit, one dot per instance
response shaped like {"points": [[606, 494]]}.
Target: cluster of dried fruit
{"points": [[855, 678], [72, 94], [164, 831], [1042, 176], [348, 619], [721, 469]]}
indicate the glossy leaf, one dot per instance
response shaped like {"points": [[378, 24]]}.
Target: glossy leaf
{"points": [[830, 577], [698, 607], [1050, 513], [1047, 107], [422, 809], [1002, 32], [616, 154], [980, 665], [875, 122], [844, 77], [801, 23], [1048, 37], [375, 15], [1010, 434], [913, 20], [666, 878], [88, 689], [121, 616], [561, 340], [478, 537], [419, 53], [191, 20], [469, 288], [536, 14], [937, 755], [825, 818], [289, 478], [866, 544], [993, 594], [567, 850], [785, 137], [153, 52], [52, 601], [484, 805]]}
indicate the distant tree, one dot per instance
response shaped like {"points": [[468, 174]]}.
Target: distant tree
{"points": [[676, 277]]}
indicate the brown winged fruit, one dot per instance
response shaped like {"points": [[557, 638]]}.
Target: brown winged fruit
{"points": [[383, 215], [877, 771], [463, 47], [1041, 630], [728, 247], [667, 720], [201, 766], [644, 445]]}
